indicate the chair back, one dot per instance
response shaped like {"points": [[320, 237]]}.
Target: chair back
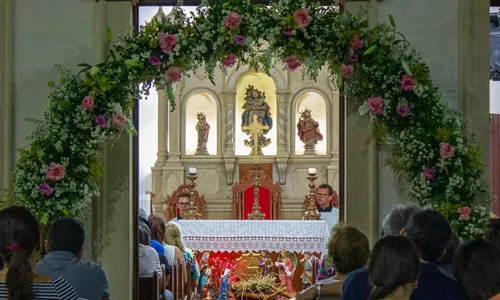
{"points": [[172, 202], [148, 287]]}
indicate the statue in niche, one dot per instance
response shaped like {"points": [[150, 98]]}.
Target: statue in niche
{"points": [[203, 128], [255, 104], [308, 132]]}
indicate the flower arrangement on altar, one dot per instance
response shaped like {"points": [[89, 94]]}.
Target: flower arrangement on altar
{"points": [[429, 144]]}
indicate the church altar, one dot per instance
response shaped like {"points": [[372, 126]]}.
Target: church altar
{"points": [[255, 235]]}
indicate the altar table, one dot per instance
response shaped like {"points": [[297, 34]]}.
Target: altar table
{"points": [[255, 235]]}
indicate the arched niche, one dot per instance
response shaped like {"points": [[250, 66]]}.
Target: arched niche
{"points": [[196, 102], [263, 83], [317, 103]]}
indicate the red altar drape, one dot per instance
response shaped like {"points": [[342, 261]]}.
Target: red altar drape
{"points": [[264, 201]]}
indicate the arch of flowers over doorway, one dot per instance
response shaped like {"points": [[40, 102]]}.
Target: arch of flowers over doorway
{"points": [[430, 147]]}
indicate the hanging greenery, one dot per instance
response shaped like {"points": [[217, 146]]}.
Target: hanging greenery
{"points": [[430, 147]]}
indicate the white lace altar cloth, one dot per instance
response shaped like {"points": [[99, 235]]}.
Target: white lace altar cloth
{"points": [[255, 235]]}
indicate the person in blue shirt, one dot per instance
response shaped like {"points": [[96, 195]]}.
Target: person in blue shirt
{"points": [[64, 246], [429, 232]]}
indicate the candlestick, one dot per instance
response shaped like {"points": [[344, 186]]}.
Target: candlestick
{"points": [[312, 212], [256, 213], [192, 171], [311, 171]]}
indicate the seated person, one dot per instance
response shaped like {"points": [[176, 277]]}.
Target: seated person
{"points": [[477, 269], [19, 249], [172, 253], [393, 270], [64, 246], [144, 219], [444, 263], [324, 198], [349, 250], [149, 261], [429, 232]]}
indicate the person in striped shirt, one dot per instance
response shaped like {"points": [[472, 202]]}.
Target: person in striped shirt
{"points": [[20, 245]]}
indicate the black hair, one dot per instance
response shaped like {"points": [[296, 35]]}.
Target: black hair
{"points": [[66, 234], [326, 186], [492, 232], [19, 238], [429, 232], [144, 235], [477, 268], [393, 263], [451, 249]]}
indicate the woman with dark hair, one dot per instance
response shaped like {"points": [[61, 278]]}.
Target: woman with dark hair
{"points": [[158, 227], [477, 268], [20, 244], [393, 269]]}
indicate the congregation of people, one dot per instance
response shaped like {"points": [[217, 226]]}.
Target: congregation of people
{"points": [[418, 256]]}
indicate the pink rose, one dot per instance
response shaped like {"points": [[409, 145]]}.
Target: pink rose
{"points": [[154, 60], [403, 110], [118, 120], [292, 63], [407, 83], [287, 31], [354, 58], [232, 20], [229, 60], [166, 42], [45, 189], [446, 150], [346, 71], [88, 102], [464, 210], [56, 172], [356, 43], [429, 173], [302, 17], [239, 40], [174, 74], [376, 105]]}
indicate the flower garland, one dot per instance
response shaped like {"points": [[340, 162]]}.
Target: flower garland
{"points": [[431, 149]]}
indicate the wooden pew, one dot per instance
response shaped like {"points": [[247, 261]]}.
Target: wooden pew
{"points": [[180, 281], [148, 287]]}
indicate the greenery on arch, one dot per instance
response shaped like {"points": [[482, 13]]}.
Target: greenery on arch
{"points": [[429, 144]]}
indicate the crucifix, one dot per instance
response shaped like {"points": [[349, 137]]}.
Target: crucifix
{"points": [[256, 130]]}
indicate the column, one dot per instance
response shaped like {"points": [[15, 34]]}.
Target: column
{"points": [[7, 15], [174, 128], [283, 136], [162, 126], [228, 129]]}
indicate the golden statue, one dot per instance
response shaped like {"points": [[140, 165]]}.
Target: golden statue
{"points": [[255, 105]]}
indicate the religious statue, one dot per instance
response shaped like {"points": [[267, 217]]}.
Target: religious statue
{"points": [[224, 285], [308, 132], [203, 129], [265, 263], [307, 275], [255, 105], [286, 269]]}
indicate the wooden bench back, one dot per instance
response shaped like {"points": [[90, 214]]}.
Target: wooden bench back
{"points": [[148, 287]]}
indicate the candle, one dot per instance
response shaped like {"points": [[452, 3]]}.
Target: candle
{"points": [[311, 171], [192, 170]]}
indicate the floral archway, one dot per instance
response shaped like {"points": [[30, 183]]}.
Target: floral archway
{"points": [[430, 147]]}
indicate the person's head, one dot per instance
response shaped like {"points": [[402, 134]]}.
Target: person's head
{"points": [[477, 268], [429, 232], [492, 233], [324, 195], [157, 228], [20, 244], [144, 235], [394, 267], [173, 236], [307, 255], [183, 203], [348, 248], [397, 218], [451, 249], [66, 234]]}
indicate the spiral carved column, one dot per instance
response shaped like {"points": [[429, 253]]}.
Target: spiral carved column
{"points": [[229, 156], [283, 151]]}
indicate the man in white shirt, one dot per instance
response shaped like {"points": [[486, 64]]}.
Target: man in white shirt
{"points": [[325, 197], [182, 205]]}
